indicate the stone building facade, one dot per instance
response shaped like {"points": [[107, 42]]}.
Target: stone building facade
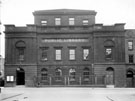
{"points": [[1, 67], [65, 47]]}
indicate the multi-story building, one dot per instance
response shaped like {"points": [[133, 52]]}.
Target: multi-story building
{"points": [[66, 47], [130, 57], [1, 67]]}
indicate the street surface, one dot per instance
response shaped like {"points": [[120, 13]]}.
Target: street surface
{"points": [[67, 94]]}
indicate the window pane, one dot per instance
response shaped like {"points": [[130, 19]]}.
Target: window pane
{"points": [[72, 51], [108, 53], [44, 74], [11, 78], [58, 72], [58, 57], [58, 51], [21, 54], [71, 21], [44, 54], [8, 78], [72, 57], [57, 21], [58, 54], [43, 22], [130, 45], [85, 22], [72, 54], [131, 58], [85, 54], [72, 74]]}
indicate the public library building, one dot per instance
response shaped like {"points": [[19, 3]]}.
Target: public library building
{"points": [[65, 47]]}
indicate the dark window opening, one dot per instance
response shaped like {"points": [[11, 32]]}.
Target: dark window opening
{"points": [[131, 58], [44, 74], [129, 74], [86, 73]]}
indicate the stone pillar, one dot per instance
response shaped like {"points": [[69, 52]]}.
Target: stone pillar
{"points": [[50, 81], [95, 80], [65, 80], [80, 80], [68, 81]]}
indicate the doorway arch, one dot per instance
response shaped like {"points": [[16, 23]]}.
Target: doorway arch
{"points": [[20, 76], [110, 76], [130, 78]]}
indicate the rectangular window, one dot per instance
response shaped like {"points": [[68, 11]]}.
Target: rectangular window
{"points": [[57, 21], [131, 58], [130, 45], [85, 54], [85, 22], [44, 53], [21, 54], [58, 54], [72, 54], [10, 78], [108, 53], [44, 22], [71, 21]]}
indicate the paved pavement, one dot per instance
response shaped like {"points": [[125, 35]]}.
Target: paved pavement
{"points": [[67, 94]]}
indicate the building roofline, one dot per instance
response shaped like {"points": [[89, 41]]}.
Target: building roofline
{"points": [[64, 11]]}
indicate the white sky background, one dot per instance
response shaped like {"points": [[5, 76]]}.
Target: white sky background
{"points": [[109, 12]]}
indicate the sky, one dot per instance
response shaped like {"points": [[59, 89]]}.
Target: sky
{"points": [[109, 12]]}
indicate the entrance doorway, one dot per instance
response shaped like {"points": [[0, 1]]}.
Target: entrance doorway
{"points": [[130, 78], [110, 76], [20, 76]]}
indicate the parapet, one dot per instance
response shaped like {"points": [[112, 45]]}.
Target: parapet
{"points": [[115, 27]]}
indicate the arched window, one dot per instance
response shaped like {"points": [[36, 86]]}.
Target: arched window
{"points": [[86, 73], [109, 45], [44, 74], [130, 73], [109, 69], [72, 73], [58, 73], [20, 45]]}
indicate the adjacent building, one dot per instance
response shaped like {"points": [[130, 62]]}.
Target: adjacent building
{"points": [[1, 67], [65, 47], [130, 57]]}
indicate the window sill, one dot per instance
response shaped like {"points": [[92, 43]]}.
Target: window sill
{"points": [[109, 59], [72, 60], [58, 60], [44, 60], [85, 59]]}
